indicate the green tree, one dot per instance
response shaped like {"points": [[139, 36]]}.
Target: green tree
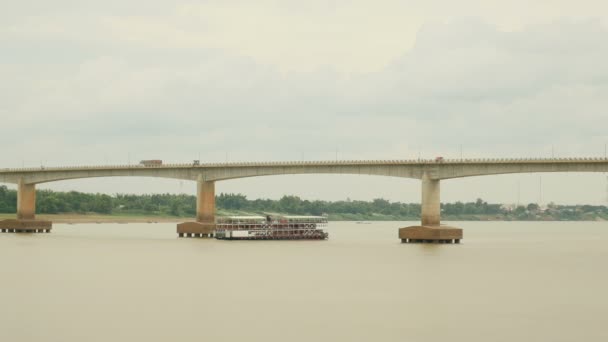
{"points": [[533, 207], [175, 208]]}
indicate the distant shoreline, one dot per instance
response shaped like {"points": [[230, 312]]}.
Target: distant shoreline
{"points": [[96, 218], [73, 207]]}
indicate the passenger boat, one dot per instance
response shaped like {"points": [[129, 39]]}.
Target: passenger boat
{"points": [[271, 227]]}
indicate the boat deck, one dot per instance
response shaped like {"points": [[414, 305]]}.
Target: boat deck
{"points": [[271, 228]]}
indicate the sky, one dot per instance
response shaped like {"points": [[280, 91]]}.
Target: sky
{"points": [[113, 82]]}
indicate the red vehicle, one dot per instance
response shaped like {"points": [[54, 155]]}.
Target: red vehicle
{"points": [[438, 159], [152, 162]]}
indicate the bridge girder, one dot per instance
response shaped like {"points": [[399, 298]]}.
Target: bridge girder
{"points": [[210, 174], [402, 169], [450, 171]]}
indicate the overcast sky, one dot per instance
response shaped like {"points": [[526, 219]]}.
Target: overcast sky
{"points": [[94, 82]]}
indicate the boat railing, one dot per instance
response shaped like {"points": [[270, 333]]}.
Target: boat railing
{"points": [[287, 226], [282, 224]]}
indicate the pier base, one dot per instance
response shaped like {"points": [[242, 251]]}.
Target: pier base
{"points": [[430, 234], [196, 229], [25, 226]]}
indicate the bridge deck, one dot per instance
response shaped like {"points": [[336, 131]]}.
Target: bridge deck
{"points": [[428, 162]]}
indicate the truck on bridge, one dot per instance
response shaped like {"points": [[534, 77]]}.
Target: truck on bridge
{"points": [[151, 162]]}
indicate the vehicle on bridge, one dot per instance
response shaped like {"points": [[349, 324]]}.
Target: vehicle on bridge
{"points": [[271, 228], [151, 162]]}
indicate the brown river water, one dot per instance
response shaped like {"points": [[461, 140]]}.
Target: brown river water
{"points": [[507, 281]]}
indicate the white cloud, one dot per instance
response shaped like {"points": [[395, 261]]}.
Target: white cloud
{"points": [[87, 86]]}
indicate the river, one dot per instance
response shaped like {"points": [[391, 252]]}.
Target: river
{"points": [[507, 281]]}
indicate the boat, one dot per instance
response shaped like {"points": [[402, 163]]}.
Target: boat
{"points": [[271, 227]]}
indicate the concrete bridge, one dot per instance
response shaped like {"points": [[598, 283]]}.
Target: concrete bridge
{"points": [[431, 173]]}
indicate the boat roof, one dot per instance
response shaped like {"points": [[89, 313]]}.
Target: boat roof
{"points": [[243, 217], [286, 217], [302, 217]]}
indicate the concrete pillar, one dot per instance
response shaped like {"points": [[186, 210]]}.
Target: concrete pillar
{"points": [[26, 201], [431, 205], [205, 201]]}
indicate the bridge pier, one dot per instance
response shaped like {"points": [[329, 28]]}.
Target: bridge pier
{"points": [[205, 212], [430, 205], [26, 201], [25, 226], [205, 201], [26, 213], [430, 230]]}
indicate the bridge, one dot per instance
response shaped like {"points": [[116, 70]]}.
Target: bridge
{"points": [[430, 172]]}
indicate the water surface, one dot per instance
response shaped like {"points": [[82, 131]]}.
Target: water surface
{"points": [[507, 281]]}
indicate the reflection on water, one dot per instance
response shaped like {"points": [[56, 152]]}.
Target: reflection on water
{"points": [[109, 282]]}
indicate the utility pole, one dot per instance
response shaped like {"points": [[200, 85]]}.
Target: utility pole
{"points": [[460, 152], [540, 190], [606, 157], [518, 192], [552, 152], [606, 189]]}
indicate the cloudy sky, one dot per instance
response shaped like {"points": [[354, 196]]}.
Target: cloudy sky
{"points": [[91, 82]]}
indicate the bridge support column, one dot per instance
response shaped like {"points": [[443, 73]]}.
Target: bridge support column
{"points": [[205, 201], [26, 213], [431, 205], [205, 213], [431, 229], [26, 201]]}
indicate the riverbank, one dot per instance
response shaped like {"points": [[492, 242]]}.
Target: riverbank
{"points": [[83, 207], [96, 218], [141, 218]]}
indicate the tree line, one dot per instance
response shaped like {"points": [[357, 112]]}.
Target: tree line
{"points": [[53, 202]]}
